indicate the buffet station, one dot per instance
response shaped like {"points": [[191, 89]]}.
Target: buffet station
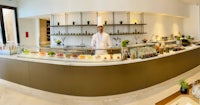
{"points": [[86, 54], [78, 71]]}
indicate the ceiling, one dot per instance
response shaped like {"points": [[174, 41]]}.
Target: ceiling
{"points": [[191, 1], [185, 1]]}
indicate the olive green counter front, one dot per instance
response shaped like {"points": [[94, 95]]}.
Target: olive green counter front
{"points": [[94, 80]]}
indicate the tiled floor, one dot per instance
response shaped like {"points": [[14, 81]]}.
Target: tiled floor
{"points": [[10, 97], [15, 94]]}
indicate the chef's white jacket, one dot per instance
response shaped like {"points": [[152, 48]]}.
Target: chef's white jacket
{"points": [[101, 41]]}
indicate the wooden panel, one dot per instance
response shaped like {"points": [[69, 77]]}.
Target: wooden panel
{"points": [[15, 71], [109, 80], [177, 94], [47, 77]]}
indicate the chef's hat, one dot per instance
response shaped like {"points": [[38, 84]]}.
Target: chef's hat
{"points": [[99, 21]]}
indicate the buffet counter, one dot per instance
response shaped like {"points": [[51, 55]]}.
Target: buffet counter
{"points": [[97, 78], [49, 60]]}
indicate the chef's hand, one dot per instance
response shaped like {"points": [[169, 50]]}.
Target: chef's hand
{"points": [[111, 52], [92, 50]]}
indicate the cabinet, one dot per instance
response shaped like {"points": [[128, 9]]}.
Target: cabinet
{"points": [[84, 23]]}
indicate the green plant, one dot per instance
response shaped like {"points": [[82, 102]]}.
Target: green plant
{"points": [[183, 84], [124, 43], [188, 37], [178, 38], [58, 41]]}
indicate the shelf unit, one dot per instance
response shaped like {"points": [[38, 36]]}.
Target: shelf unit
{"points": [[48, 30], [83, 34], [63, 29], [95, 25]]}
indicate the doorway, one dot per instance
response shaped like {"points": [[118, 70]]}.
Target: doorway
{"points": [[9, 33], [44, 32]]}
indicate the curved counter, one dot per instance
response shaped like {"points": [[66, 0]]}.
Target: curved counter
{"points": [[97, 79]]}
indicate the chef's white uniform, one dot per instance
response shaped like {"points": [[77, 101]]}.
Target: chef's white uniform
{"points": [[101, 41]]}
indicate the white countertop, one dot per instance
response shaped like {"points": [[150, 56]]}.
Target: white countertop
{"points": [[102, 63], [113, 47]]}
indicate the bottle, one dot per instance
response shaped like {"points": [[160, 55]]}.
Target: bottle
{"points": [[161, 50], [157, 46], [167, 49]]}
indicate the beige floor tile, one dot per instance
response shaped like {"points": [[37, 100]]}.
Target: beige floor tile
{"points": [[15, 94], [36, 101], [9, 97]]}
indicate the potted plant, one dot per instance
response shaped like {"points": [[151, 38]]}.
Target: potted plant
{"points": [[58, 42], [184, 86], [178, 40], [124, 49], [124, 43], [144, 40]]}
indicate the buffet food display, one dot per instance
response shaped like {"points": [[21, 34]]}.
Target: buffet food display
{"points": [[87, 55], [67, 54]]}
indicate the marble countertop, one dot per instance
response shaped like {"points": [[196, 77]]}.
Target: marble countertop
{"points": [[102, 63], [89, 48]]}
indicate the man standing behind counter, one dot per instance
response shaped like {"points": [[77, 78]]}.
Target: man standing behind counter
{"points": [[101, 40]]}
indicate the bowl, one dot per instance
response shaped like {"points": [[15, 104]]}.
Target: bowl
{"points": [[164, 38]]}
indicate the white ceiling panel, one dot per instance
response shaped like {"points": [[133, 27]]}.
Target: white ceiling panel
{"points": [[191, 1]]}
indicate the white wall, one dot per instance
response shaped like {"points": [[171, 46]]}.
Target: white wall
{"points": [[13, 3], [157, 24], [191, 23], [32, 27], [162, 25], [29, 8]]}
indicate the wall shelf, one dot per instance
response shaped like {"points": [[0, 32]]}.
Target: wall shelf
{"points": [[48, 30], [95, 25], [80, 26], [118, 22], [83, 34]]}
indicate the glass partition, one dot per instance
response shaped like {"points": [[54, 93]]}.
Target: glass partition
{"points": [[74, 54]]}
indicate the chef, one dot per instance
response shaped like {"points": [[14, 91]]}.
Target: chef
{"points": [[101, 40]]}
